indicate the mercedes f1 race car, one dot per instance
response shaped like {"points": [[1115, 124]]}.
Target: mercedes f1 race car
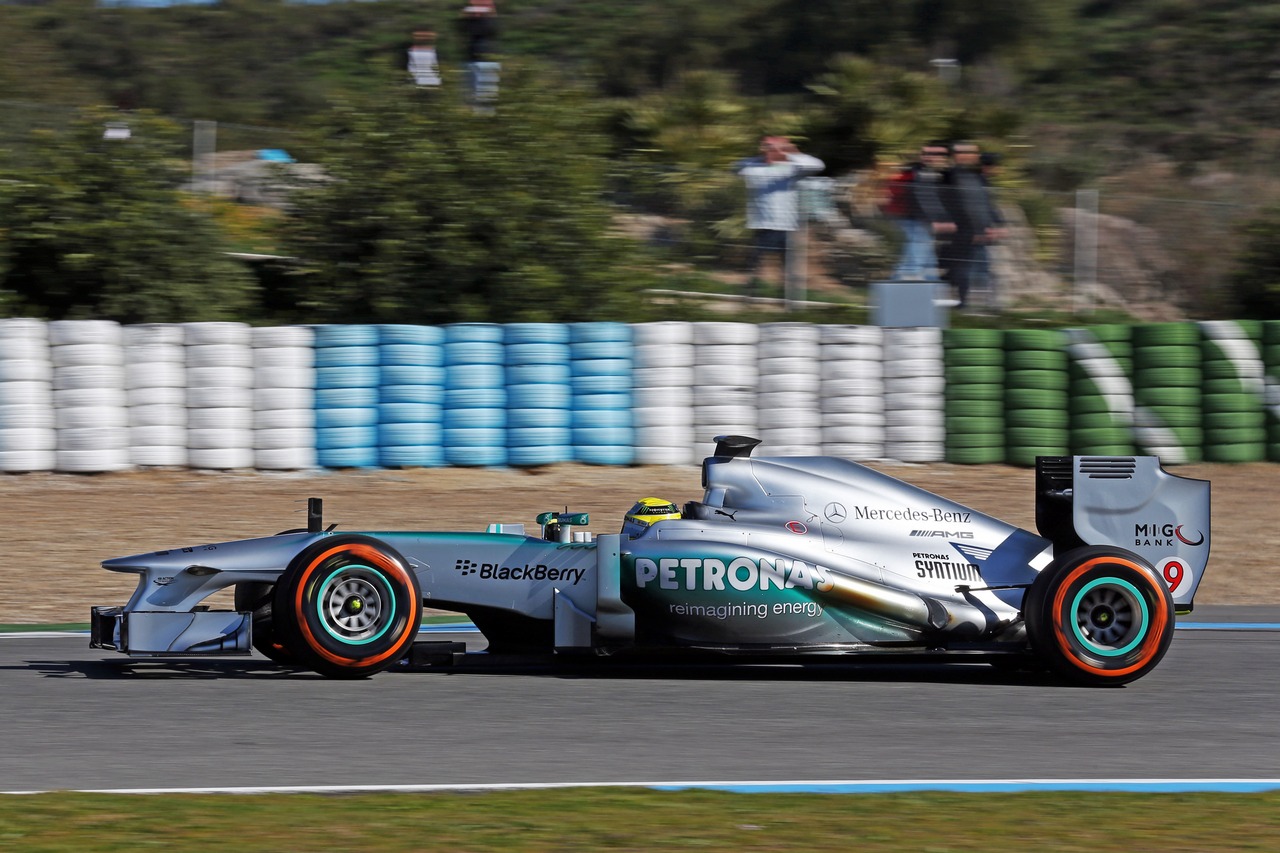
{"points": [[784, 557]]}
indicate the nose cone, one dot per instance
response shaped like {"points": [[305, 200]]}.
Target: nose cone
{"points": [[153, 560]]}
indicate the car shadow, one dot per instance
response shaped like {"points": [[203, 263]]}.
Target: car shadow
{"points": [[163, 669], [923, 672], [895, 671]]}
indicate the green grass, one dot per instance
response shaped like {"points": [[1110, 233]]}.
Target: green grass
{"points": [[642, 820]]}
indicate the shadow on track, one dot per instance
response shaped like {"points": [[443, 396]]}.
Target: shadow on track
{"points": [[879, 671], [261, 669], [162, 669]]}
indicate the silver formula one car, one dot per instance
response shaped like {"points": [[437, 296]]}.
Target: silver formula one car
{"points": [[783, 556]]}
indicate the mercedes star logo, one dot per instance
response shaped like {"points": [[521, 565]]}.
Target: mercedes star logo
{"points": [[835, 512]]}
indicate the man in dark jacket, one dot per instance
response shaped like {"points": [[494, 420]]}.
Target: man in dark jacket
{"points": [[479, 25], [925, 217], [977, 222]]}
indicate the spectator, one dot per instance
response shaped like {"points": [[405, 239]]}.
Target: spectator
{"points": [[772, 208], [976, 221], [423, 65], [922, 215], [982, 282], [479, 26]]}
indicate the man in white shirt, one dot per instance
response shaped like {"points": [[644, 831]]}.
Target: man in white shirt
{"points": [[423, 66], [772, 207]]}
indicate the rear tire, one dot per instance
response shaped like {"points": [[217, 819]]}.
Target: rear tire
{"points": [[348, 606], [1100, 616]]}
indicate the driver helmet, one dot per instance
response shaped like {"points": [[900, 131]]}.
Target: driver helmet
{"points": [[645, 512]]}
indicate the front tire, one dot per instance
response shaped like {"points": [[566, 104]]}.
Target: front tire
{"points": [[1100, 616], [348, 606]]}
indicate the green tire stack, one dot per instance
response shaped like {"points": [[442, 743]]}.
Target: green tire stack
{"points": [[1166, 391], [1235, 428], [1036, 395], [1271, 363], [1101, 404], [974, 370]]}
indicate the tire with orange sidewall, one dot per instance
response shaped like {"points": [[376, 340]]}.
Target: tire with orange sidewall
{"points": [[348, 606], [1100, 616]]}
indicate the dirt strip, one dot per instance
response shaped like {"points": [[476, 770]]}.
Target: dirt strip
{"points": [[59, 527]]}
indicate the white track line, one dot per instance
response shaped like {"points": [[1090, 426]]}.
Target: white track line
{"points": [[867, 786]]}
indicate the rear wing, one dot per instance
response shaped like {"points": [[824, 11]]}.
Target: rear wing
{"points": [[1129, 502]]}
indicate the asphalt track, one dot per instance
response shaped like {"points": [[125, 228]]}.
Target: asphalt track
{"points": [[76, 718]]}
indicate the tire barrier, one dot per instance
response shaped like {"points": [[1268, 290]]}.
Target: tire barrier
{"points": [[475, 397], [974, 397], [851, 382], [789, 366], [1271, 390], [284, 396], [219, 388], [1036, 394], [89, 402], [90, 396], [1233, 392], [1101, 393], [539, 394], [1166, 391], [155, 393], [662, 394], [725, 378], [346, 406], [411, 385], [28, 439], [913, 395], [600, 365]]}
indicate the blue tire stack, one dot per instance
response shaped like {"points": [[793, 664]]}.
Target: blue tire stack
{"points": [[347, 378], [475, 397], [410, 396], [601, 361], [539, 394]]}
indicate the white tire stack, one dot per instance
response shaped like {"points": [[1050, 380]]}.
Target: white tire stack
{"points": [[27, 436], [156, 393], [790, 416], [89, 395], [284, 417], [725, 376], [662, 396], [219, 358], [851, 371], [914, 399]]}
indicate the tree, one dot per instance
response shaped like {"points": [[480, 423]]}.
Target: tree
{"points": [[434, 212], [862, 111], [101, 231], [683, 140]]}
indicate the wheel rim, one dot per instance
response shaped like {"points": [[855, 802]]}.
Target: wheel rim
{"points": [[1110, 616], [357, 604]]}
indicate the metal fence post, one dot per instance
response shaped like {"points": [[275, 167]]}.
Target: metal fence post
{"points": [[1086, 249], [794, 284]]}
